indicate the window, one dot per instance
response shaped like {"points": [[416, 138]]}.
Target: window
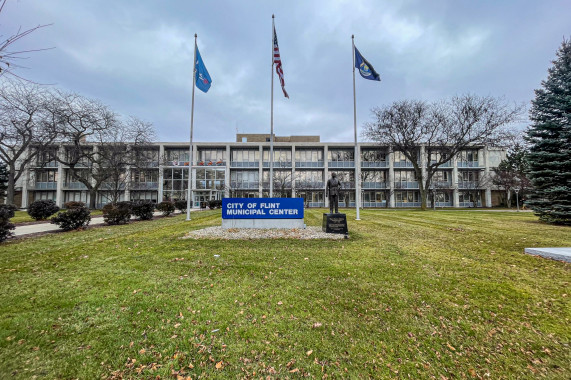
{"points": [[177, 156], [280, 155], [373, 155], [405, 176], [210, 178], [243, 155], [309, 155], [215, 156], [46, 176], [345, 155]]}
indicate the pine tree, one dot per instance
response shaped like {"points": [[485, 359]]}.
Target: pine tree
{"points": [[550, 139]]}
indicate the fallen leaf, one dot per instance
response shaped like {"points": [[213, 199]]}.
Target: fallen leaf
{"points": [[280, 303], [450, 347], [294, 370], [316, 325], [219, 365], [309, 352]]}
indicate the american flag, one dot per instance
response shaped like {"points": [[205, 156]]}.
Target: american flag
{"points": [[278, 62]]}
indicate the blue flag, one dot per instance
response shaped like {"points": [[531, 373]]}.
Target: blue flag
{"points": [[365, 68], [203, 80]]}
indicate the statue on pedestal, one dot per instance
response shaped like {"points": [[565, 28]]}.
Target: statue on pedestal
{"points": [[333, 191]]}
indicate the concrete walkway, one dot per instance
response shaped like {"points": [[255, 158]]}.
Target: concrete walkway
{"points": [[555, 253], [29, 229]]}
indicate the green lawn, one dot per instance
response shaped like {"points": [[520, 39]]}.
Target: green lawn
{"points": [[22, 216], [412, 294]]}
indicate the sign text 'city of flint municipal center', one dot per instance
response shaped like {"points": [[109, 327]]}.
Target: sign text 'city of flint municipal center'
{"points": [[262, 208]]}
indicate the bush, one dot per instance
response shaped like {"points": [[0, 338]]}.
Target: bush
{"points": [[166, 208], [118, 213], [6, 212], [180, 205], [215, 204], [73, 204], [143, 209], [73, 218], [42, 209]]}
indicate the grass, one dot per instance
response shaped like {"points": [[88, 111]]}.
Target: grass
{"points": [[446, 294], [23, 217]]}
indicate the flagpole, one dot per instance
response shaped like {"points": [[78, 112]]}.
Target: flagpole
{"points": [[271, 122], [357, 155], [189, 192]]}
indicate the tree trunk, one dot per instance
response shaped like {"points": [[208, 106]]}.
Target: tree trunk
{"points": [[422, 198], [92, 198], [10, 192]]}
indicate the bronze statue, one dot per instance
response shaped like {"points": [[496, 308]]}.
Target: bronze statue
{"points": [[333, 191]]}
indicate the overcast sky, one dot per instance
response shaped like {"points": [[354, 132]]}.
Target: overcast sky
{"points": [[136, 56]]}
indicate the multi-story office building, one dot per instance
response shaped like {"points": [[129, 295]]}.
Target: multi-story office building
{"points": [[302, 165]]}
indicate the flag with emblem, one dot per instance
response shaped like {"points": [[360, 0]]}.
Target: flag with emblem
{"points": [[202, 78], [278, 63], [365, 68]]}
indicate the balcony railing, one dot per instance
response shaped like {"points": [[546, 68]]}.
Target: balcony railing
{"points": [[211, 163], [244, 185], [309, 164], [407, 204], [244, 164], [470, 204], [344, 204], [439, 204], [347, 185], [309, 184], [277, 185], [45, 186], [468, 184], [144, 185], [315, 204], [375, 204], [278, 164], [402, 164], [107, 186], [468, 164], [406, 185], [374, 185], [374, 164], [447, 164], [341, 164], [74, 186]]}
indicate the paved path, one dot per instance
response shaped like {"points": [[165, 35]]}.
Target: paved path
{"points": [[28, 229], [559, 253]]}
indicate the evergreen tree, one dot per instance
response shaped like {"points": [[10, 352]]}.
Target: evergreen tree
{"points": [[3, 181], [550, 138]]}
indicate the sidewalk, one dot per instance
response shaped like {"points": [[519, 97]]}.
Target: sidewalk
{"points": [[48, 227]]}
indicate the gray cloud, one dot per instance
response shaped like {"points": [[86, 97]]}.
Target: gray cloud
{"points": [[137, 57]]}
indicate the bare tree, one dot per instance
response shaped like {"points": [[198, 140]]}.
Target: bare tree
{"points": [[444, 128], [98, 145], [26, 127], [9, 58]]}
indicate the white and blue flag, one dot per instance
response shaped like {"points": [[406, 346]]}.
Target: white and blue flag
{"points": [[203, 80], [365, 68]]}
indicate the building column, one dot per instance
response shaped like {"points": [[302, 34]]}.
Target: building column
{"points": [[227, 182], [162, 161], [391, 179], [423, 167], [261, 171], [455, 195], [127, 194], [488, 194], [60, 178], [325, 175], [293, 171], [25, 179]]}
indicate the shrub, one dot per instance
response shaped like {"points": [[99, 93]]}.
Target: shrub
{"points": [[42, 209], [180, 205], [6, 212], [73, 218], [166, 208], [118, 213], [143, 209], [73, 204], [215, 204]]}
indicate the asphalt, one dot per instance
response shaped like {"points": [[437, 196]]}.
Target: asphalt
{"points": [[29, 229], [555, 253]]}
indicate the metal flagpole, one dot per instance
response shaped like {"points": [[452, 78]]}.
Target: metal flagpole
{"points": [[357, 156], [272, 122], [189, 192]]}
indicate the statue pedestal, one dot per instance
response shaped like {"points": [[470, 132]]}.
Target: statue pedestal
{"points": [[335, 223]]}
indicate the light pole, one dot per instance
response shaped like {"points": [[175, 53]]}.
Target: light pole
{"points": [[516, 198]]}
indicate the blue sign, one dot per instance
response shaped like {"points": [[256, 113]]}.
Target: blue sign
{"points": [[262, 208]]}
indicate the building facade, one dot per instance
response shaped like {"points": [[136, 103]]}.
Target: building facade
{"points": [[301, 169]]}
